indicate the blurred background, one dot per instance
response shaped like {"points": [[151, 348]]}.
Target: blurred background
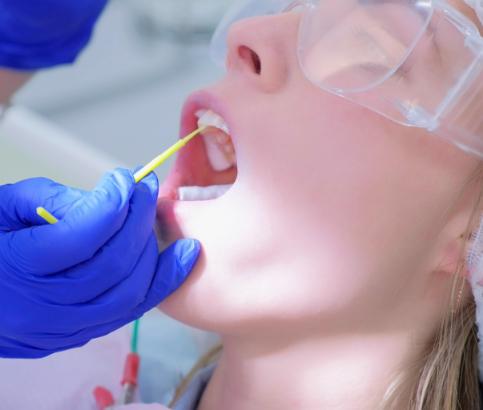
{"points": [[120, 103]]}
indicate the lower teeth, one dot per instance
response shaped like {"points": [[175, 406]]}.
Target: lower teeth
{"points": [[199, 193]]}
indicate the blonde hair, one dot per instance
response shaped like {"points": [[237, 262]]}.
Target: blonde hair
{"points": [[446, 375]]}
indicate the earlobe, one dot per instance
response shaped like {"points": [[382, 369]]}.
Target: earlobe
{"points": [[454, 257]]}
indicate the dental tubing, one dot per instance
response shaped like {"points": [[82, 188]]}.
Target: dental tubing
{"points": [[142, 173]]}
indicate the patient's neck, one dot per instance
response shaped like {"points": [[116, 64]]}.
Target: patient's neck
{"points": [[344, 372]]}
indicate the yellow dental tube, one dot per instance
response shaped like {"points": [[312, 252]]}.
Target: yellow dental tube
{"points": [[160, 159], [142, 173]]}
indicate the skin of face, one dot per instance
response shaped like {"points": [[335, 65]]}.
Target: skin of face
{"points": [[340, 223], [338, 215]]}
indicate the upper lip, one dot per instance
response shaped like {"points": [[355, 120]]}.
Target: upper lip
{"points": [[202, 100]]}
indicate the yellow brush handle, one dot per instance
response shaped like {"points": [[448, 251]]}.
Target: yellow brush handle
{"points": [[160, 159], [46, 215], [141, 174]]}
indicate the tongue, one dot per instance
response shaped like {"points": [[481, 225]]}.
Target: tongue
{"points": [[198, 193]]}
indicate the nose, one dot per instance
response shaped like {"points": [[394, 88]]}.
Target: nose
{"points": [[263, 50]]}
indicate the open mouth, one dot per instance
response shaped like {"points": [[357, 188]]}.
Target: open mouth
{"points": [[206, 168]]}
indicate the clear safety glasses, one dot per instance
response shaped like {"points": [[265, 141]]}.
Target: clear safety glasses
{"points": [[416, 62]]}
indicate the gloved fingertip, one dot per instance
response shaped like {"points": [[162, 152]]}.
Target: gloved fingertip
{"points": [[124, 177], [188, 252], [152, 183], [117, 184]]}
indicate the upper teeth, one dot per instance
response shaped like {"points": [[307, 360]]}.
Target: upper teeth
{"points": [[219, 146], [208, 118]]}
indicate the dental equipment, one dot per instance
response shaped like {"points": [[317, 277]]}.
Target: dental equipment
{"points": [[129, 381], [142, 173], [103, 397], [160, 159]]}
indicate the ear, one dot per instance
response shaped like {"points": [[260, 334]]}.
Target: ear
{"points": [[453, 254], [456, 238]]}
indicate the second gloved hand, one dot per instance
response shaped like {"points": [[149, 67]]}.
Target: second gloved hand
{"points": [[97, 269], [38, 34]]}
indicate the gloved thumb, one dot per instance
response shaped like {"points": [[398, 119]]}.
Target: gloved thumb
{"points": [[174, 266]]}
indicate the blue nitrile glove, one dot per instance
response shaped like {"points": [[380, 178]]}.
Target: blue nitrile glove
{"points": [[97, 269], [43, 33]]}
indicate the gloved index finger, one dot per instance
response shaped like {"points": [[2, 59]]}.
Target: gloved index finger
{"points": [[84, 229]]}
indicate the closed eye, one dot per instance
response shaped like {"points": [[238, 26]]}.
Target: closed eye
{"points": [[381, 70]]}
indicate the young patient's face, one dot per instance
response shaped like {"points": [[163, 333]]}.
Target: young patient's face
{"points": [[334, 217]]}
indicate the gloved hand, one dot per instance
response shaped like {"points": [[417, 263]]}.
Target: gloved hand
{"points": [[37, 34], [95, 270]]}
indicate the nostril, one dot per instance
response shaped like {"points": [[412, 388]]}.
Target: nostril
{"points": [[251, 58]]}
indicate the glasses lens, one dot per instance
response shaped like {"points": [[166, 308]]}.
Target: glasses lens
{"points": [[352, 45], [242, 10]]}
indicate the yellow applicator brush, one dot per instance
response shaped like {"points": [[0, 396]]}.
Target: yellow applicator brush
{"points": [[46, 215], [161, 159], [142, 173]]}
